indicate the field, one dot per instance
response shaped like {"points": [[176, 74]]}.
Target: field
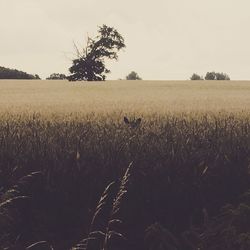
{"points": [[144, 97], [177, 179]]}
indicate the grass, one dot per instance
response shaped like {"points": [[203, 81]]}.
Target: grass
{"points": [[190, 155]]}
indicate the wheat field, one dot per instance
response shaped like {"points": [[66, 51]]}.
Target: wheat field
{"points": [[124, 96], [74, 172]]}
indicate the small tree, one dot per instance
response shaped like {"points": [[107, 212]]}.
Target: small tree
{"points": [[89, 64], [37, 77], [133, 76], [56, 76], [196, 77]]}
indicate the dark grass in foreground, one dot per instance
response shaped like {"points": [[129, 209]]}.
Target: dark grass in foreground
{"points": [[185, 171]]}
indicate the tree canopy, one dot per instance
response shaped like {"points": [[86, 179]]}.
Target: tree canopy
{"points": [[56, 76], [89, 64], [6, 73], [133, 76], [216, 76], [196, 77], [211, 76]]}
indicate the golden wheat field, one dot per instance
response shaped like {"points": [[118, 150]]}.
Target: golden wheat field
{"points": [[124, 96]]}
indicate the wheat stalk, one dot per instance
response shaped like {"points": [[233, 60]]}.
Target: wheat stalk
{"points": [[94, 234], [116, 207], [40, 244]]}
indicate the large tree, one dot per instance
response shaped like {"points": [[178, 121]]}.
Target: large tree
{"points": [[89, 64]]}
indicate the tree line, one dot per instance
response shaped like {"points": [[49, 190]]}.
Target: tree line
{"points": [[6, 73], [210, 76]]}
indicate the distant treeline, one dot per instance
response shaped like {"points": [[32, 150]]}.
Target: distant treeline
{"points": [[6, 73], [56, 76], [211, 76]]}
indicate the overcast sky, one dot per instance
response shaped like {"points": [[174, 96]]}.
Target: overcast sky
{"points": [[165, 39]]}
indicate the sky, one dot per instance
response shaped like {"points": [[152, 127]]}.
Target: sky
{"points": [[165, 39]]}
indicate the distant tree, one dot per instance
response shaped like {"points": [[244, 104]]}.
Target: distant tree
{"points": [[133, 76], [37, 77], [89, 64], [56, 76], [6, 73], [222, 76], [196, 77], [210, 76], [216, 76]]}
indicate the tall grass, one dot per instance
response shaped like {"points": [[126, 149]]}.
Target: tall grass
{"points": [[186, 167]]}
